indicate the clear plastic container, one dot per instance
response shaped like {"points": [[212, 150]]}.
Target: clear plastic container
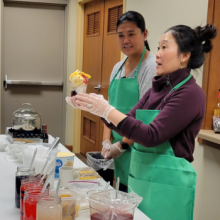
{"points": [[78, 85], [70, 201], [82, 187], [49, 208], [22, 173], [113, 205], [87, 174], [40, 159]]}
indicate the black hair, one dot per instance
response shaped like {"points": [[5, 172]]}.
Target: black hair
{"points": [[196, 41], [135, 17]]}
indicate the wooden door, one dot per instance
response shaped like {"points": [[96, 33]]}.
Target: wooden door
{"points": [[101, 52], [92, 59]]}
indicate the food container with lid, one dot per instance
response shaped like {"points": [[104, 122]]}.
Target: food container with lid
{"points": [[26, 118], [70, 202], [63, 159], [87, 174]]}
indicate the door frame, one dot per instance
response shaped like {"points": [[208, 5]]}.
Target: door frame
{"points": [[64, 3], [79, 64]]}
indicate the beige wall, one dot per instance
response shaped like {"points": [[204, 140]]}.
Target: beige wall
{"points": [[159, 16]]}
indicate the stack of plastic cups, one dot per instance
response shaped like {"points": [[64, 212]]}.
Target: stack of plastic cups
{"points": [[31, 196], [29, 183]]}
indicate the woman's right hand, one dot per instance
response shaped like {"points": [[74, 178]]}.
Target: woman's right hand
{"points": [[106, 144]]}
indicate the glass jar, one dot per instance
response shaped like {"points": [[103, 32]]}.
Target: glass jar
{"points": [[49, 208], [30, 202], [28, 183], [21, 173]]}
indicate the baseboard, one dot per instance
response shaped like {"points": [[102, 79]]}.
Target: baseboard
{"points": [[69, 147]]}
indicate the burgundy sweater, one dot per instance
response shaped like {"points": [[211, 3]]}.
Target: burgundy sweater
{"points": [[179, 120]]}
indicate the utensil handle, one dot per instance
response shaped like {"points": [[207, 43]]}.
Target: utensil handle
{"points": [[34, 155], [44, 167], [53, 146], [57, 189], [117, 187], [47, 181]]}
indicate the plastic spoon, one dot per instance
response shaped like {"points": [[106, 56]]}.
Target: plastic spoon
{"points": [[34, 155], [47, 181], [53, 146], [45, 174], [106, 185], [57, 189], [42, 171], [117, 187]]}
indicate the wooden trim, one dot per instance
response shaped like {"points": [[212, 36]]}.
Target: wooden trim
{"points": [[48, 2], [69, 147], [124, 10], [206, 67], [209, 143], [83, 2], [79, 63]]}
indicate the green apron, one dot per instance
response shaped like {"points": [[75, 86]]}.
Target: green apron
{"points": [[123, 95], [166, 183]]}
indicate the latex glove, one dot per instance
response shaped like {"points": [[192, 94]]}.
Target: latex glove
{"points": [[115, 151], [106, 144], [95, 104], [72, 101]]}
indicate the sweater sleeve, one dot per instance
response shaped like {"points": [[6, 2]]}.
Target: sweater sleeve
{"points": [[181, 109]]}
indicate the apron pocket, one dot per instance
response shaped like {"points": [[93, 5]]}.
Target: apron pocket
{"points": [[122, 166], [164, 202]]}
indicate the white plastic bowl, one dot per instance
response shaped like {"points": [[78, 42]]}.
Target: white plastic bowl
{"points": [[3, 146], [14, 151], [11, 146]]}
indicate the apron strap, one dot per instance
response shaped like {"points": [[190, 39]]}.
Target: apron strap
{"points": [[181, 83], [137, 70], [139, 65]]}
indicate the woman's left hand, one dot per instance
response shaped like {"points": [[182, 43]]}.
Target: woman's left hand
{"points": [[93, 103], [72, 101]]}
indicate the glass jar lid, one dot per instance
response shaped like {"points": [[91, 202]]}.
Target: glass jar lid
{"points": [[26, 111]]}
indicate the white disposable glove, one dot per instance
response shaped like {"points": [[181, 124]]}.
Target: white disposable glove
{"points": [[114, 152], [106, 144], [72, 101], [95, 104]]}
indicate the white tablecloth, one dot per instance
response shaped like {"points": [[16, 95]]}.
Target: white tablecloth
{"points": [[8, 211]]}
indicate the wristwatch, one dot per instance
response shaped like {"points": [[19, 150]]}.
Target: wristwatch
{"points": [[124, 145]]}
